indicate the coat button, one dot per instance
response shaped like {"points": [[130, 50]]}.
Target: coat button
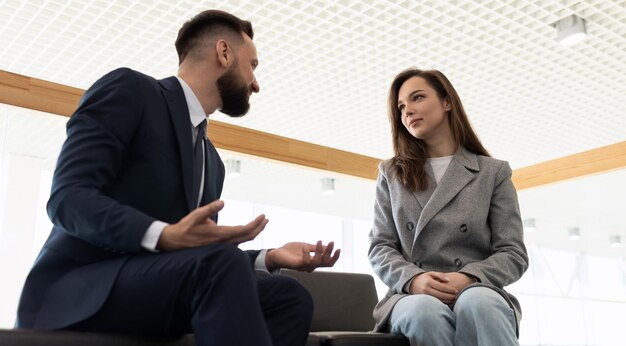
{"points": [[458, 262], [463, 228], [409, 226]]}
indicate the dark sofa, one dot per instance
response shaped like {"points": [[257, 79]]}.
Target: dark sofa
{"points": [[342, 317]]}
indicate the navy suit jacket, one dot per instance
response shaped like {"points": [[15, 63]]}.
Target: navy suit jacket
{"points": [[127, 161]]}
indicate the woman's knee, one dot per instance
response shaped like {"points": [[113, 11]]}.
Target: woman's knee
{"points": [[478, 300], [420, 308], [423, 319]]}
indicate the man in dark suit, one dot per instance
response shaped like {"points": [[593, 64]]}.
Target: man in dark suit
{"points": [[135, 246]]}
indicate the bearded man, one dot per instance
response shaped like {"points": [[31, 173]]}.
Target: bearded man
{"points": [[135, 246]]}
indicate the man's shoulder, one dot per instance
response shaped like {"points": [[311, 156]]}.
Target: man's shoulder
{"points": [[125, 79], [130, 74]]}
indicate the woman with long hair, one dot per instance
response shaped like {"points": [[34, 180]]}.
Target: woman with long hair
{"points": [[447, 234]]}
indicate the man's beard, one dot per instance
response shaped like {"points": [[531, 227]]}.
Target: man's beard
{"points": [[234, 92]]}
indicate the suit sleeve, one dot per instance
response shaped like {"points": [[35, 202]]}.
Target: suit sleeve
{"points": [[508, 260], [99, 135], [385, 250]]}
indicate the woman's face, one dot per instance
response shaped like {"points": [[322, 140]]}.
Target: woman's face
{"points": [[423, 113]]}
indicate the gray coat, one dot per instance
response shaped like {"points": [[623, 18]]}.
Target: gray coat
{"points": [[469, 223]]}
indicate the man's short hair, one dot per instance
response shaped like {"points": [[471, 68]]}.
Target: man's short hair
{"points": [[192, 33]]}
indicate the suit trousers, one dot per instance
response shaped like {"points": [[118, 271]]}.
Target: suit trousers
{"points": [[480, 316], [211, 291]]}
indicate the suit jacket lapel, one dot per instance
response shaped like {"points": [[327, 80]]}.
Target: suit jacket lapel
{"points": [[458, 174], [179, 112]]}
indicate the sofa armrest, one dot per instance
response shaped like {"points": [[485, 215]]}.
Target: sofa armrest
{"points": [[343, 301]]}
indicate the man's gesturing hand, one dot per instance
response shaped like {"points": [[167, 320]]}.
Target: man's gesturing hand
{"points": [[297, 256], [197, 229]]}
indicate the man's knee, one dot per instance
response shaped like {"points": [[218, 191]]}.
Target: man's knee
{"points": [[223, 257], [293, 294], [302, 296], [224, 265]]}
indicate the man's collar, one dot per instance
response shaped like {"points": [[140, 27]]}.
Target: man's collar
{"points": [[196, 112]]}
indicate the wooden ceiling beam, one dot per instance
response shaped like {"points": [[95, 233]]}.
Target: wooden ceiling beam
{"points": [[32, 93]]}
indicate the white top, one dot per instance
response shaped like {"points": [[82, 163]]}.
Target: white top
{"points": [[439, 166]]}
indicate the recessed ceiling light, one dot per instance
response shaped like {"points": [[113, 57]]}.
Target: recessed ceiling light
{"points": [[570, 30], [529, 224], [328, 186], [616, 241], [574, 233], [233, 168]]}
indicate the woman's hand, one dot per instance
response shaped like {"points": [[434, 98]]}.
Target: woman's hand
{"points": [[435, 284], [459, 280]]}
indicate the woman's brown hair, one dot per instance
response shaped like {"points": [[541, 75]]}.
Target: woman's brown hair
{"points": [[410, 153]]}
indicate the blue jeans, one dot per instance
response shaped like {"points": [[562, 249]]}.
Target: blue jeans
{"points": [[480, 316]]}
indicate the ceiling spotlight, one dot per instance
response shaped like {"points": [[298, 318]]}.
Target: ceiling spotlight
{"points": [[570, 30], [574, 233], [328, 186], [529, 224], [616, 241], [233, 168]]}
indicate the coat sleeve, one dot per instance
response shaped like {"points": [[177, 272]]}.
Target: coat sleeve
{"points": [[385, 252], [508, 260], [98, 137]]}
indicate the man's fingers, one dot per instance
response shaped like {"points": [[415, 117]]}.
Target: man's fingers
{"points": [[319, 251], [199, 215], [307, 261], [328, 250], [310, 263], [240, 234], [255, 232], [334, 259], [256, 222]]}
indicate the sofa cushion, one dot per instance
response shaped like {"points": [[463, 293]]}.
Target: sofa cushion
{"points": [[21, 337], [360, 339]]}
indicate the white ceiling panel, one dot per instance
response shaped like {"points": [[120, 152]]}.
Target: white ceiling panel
{"points": [[325, 68], [326, 65]]}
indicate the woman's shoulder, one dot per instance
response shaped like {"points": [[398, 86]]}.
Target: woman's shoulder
{"points": [[386, 163], [495, 167], [490, 161], [386, 167]]}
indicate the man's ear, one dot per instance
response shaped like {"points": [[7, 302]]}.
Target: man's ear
{"points": [[224, 53]]}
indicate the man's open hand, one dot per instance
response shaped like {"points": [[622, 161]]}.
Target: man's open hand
{"points": [[297, 256], [197, 229]]}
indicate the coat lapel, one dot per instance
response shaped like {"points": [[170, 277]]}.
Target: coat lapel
{"points": [[179, 112], [459, 173]]}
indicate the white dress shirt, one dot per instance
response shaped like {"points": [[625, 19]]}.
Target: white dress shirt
{"points": [[196, 116]]}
